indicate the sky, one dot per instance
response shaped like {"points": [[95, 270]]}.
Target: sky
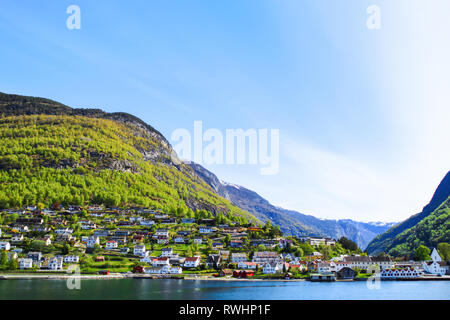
{"points": [[362, 113]]}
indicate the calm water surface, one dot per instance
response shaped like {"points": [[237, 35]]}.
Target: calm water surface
{"points": [[217, 290]]}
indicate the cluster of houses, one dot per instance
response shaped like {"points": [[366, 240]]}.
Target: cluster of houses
{"points": [[135, 230]]}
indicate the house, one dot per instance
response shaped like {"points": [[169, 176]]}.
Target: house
{"points": [[25, 263], [383, 262], [399, 273], [138, 238], [158, 270], [360, 262], [238, 257], [162, 232], [323, 277], [324, 267], [92, 241], [162, 261], [213, 261], [205, 229], [192, 262], [243, 273], [435, 266], [198, 240], [35, 256], [346, 273], [166, 252], [175, 270], [5, 246], [111, 244], [71, 259], [147, 223], [217, 245], [179, 239], [224, 254], [139, 250], [88, 225], [47, 240], [247, 265], [55, 263], [162, 240], [236, 243], [187, 220], [64, 231], [17, 238], [272, 267], [262, 257], [101, 233], [225, 272]]}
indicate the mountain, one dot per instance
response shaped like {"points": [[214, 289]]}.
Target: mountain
{"points": [[51, 153], [291, 222], [429, 227]]}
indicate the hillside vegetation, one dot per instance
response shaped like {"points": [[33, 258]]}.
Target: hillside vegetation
{"points": [[79, 159]]}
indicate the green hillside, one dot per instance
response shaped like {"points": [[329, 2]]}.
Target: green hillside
{"points": [[431, 231], [96, 158], [428, 227]]}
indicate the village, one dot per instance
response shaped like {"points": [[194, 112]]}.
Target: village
{"points": [[151, 243]]}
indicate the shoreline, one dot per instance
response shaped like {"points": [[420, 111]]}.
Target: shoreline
{"points": [[186, 278]]}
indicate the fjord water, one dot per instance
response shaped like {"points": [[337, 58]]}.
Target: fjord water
{"points": [[131, 289]]}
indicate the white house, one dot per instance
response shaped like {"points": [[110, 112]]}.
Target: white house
{"points": [[175, 270], [139, 250], [247, 265], [5, 246], [17, 238], [205, 230], [111, 244], [266, 257], [25, 263], [92, 241], [166, 252], [162, 232], [238, 257], [325, 267], [64, 231], [400, 273], [147, 223], [192, 262], [271, 268], [435, 266], [71, 259], [159, 262], [55, 263]]}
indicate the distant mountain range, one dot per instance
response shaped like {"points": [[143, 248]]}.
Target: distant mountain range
{"points": [[291, 222], [429, 227]]}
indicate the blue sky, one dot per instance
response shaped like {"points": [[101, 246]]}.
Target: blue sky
{"points": [[363, 114]]}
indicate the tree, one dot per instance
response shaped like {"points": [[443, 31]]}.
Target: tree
{"points": [[444, 250], [3, 258], [422, 253], [13, 264], [348, 244]]}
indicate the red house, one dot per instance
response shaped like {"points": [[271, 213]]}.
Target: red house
{"points": [[138, 269], [243, 273]]}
